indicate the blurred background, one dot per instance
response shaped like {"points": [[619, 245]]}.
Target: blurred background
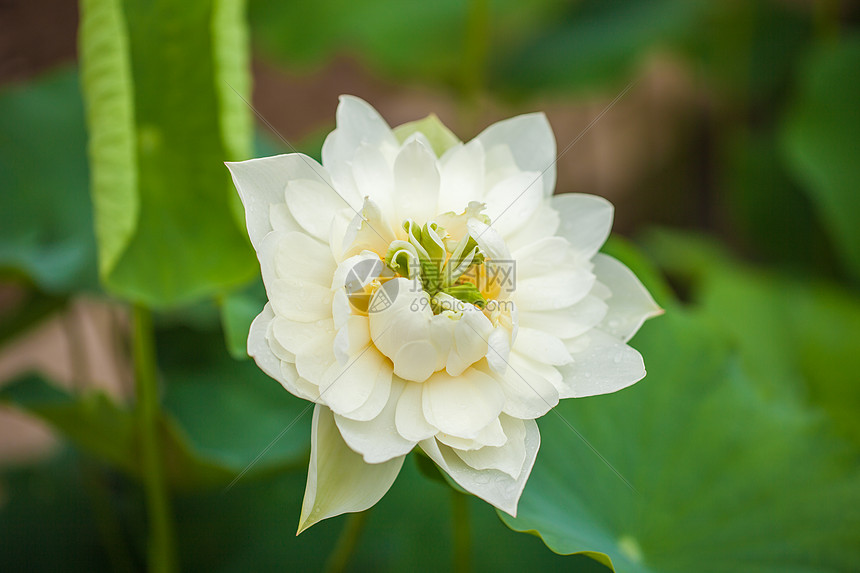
{"points": [[726, 133]]}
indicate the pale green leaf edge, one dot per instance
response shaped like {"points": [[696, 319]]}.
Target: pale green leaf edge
{"points": [[106, 85], [232, 67]]}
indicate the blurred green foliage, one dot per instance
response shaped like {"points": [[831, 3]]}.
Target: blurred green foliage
{"points": [[820, 139], [731, 472], [743, 440], [46, 222]]}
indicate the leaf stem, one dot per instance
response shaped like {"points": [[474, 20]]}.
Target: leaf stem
{"points": [[346, 543], [161, 552], [476, 48], [462, 532]]}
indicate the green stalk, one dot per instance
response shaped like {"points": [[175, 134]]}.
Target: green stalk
{"points": [[346, 543], [161, 551], [476, 48], [462, 532]]}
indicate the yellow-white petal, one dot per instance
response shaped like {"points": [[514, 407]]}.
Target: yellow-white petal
{"points": [[299, 300], [358, 124], [530, 388], [261, 351], [492, 435], [492, 485], [531, 142], [461, 176], [585, 221], [507, 457], [409, 418], [339, 480], [416, 181], [554, 290], [544, 223], [464, 405], [630, 304], [374, 439], [566, 322], [261, 184], [345, 387], [541, 347], [296, 254], [602, 364], [540, 257], [514, 200], [314, 204]]}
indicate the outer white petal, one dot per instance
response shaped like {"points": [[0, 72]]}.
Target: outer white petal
{"points": [[514, 200], [345, 387], [294, 336], [471, 337], [315, 204], [493, 486], [499, 349], [566, 322], [508, 457], [630, 304], [315, 357], [540, 257], [358, 124], [351, 337], [554, 290], [409, 418], [464, 405], [260, 350], [602, 364], [489, 240], [295, 254], [585, 221], [376, 439], [339, 481], [261, 184], [416, 181], [299, 300], [461, 176], [541, 346], [544, 223], [492, 435], [374, 177], [531, 388], [367, 231], [531, 142]]}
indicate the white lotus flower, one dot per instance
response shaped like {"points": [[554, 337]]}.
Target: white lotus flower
{"points": [[440, 301]]}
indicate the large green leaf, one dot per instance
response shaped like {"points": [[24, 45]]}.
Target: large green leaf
{"points": [[794, 335], [72, 514], [820, 139], [46, 226], [231, 411], [164, 84], [725, 479]]}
